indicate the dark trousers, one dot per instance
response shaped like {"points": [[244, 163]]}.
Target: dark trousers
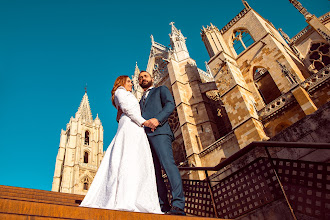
{"points": [[162, 153]]}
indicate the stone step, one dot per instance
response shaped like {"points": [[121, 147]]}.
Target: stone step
{"points": [[24, 194], [20, 203]]}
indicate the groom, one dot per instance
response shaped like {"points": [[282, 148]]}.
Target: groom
{"points": [[156, 105]]}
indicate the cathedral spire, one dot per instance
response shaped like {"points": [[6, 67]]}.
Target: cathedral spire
{"points": [[137, 70], [178, 44], [84, 111], [300, 8], [152, 39], [285, 36], [313, 21], [135, 81], [174, 29], [247, 6]]}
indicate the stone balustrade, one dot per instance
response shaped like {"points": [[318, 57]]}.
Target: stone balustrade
{"points": [[234, 20], [276, 105], [316, 80]]}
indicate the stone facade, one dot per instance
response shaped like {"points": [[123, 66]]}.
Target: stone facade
{"points": [[257, 82], [80, 152]]}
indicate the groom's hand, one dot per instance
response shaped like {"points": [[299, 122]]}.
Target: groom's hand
{"points": [[149, 125], [154, 122]]}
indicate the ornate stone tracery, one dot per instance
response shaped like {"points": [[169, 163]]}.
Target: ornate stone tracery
{"points": [[241, 38], [160, 69], [319, 55], [173, 121]]}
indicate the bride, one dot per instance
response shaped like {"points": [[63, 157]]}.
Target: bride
{"points": [[126, 179]]}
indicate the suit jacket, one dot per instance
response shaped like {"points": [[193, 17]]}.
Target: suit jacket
{"points": [[159, 104]]}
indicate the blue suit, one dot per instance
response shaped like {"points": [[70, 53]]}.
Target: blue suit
{"points": [[159, 104]]}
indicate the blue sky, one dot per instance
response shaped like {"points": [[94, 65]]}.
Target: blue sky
{"points": [[50, 49]]}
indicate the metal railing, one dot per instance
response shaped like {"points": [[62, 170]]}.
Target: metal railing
{"points": [[260, 174]]}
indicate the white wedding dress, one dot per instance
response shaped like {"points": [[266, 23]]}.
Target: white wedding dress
{"points": [[126, 178]]}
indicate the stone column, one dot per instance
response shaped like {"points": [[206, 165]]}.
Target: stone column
{"points": [[182, 94]]}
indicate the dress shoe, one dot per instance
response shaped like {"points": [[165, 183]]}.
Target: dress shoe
{"points": [[165, 209], [175, 211]]}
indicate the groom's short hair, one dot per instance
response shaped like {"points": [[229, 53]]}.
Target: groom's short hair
{"points": [[146, 72]]}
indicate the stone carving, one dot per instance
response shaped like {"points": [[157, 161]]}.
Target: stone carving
{"points": [[287, 73], [213, 95], [219, 112], [160, 69]]}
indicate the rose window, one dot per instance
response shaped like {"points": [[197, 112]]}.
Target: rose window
{"points": [[319, 55]]}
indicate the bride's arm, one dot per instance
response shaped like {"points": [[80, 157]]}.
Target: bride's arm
{"points": [[124, 100]]}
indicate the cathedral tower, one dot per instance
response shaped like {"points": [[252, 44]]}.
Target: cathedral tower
{"points": [[137, 89], [80, 152], [194, 125]]}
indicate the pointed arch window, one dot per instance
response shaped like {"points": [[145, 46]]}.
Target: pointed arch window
{"points": [[86, 183], [319, 55], [86, 157], [266, 86], [68, 136], [241, 40], [87, 138]]}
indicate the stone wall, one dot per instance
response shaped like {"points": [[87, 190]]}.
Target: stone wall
{"points": [[312, 128]]}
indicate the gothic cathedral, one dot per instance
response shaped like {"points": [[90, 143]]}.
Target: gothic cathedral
{"points": [[258, 82]]}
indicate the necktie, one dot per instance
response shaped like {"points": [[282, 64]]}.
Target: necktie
{"points": [[144, 98]]}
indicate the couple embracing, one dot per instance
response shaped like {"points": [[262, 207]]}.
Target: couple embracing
{"points": [[129, 177]]}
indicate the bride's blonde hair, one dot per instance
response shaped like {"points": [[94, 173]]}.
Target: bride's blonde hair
{"points": [[120, 81]]}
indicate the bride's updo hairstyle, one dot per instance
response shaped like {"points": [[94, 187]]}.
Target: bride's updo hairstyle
{"points": [[120, 81]]}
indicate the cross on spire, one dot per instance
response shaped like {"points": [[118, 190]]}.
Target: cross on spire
{"points": [[86, 88]]}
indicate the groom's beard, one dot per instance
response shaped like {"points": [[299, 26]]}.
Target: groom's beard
{"points": [[147, 85]]}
